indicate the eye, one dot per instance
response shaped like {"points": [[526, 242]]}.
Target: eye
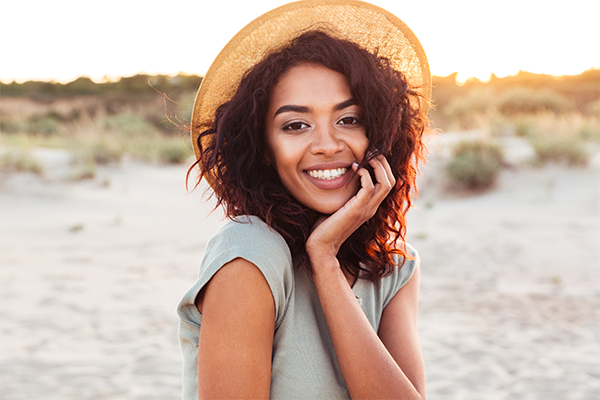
{"points": [[349, 121], [295, 126]]}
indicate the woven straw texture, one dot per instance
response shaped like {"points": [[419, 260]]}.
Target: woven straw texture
{"points": [[371, 27]]}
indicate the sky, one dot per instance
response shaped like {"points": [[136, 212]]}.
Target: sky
{"points": [[60, 40]]}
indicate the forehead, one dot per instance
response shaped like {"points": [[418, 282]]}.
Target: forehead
{"points": [[310, 83]]}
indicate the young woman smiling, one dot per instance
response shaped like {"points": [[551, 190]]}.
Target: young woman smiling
{"points": [[310, 142]]}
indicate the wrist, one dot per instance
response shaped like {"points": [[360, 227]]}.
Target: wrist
{"points": [[326, 270], [317, 250], [323, 260]]}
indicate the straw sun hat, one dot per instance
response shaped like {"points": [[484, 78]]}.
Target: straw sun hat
{"points": [[371, 27]]}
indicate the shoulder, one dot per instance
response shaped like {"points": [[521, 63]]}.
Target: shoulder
{"points": [[403, 270], [249, 236], [250, 239]]}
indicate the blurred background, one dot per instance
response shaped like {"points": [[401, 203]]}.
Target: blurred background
{"points": [[99, 238]]}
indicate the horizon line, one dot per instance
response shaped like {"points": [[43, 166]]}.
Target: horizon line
{"points": [[113, 78]]}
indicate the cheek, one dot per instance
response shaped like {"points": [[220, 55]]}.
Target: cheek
{"points": [[286, 167], [359, 147], [286, 155]]}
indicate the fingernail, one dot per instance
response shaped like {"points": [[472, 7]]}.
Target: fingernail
{"points": [[372, 154], [354, 165]]}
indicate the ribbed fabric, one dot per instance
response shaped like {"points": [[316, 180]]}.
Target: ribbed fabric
{"points": [[304, 362]]}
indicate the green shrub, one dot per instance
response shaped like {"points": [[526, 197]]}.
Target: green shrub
{"points": [[563, 138], [172, 152], [72, 115], [99, 151], [129, 124], [10, 126], [19, 161], [475, 164], [525, 127], [558, 148], [44, 125], [83, 170]]}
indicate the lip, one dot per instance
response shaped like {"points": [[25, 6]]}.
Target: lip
{"points": [[330, 165], [330, 184]]}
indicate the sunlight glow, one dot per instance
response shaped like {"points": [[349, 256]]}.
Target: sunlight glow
{"points": [[65, 39]]}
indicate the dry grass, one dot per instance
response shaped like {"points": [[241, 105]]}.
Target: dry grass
{"points": [[475, 164], [557, 131], [562, 139], [94, 135], [19, 161], [83, 170]]}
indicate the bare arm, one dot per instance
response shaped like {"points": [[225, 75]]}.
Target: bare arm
{"points": [[236, 334], [386, 367], [398, 332]]}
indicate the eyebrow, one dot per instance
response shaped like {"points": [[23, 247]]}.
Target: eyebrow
{"points": [[304, 109], [289, 108], [344, 104]]}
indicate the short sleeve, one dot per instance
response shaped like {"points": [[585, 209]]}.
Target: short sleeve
{"points": [[248, 238], [401, 274]]}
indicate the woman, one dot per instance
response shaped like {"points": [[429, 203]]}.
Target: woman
{"points": [[310, 291]]}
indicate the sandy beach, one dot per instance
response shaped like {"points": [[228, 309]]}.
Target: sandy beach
{"points": [[91, 273]]}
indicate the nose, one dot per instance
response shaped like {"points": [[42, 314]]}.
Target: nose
{"points": [[326, 141]]}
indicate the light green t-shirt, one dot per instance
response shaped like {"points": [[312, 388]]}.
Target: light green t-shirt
{"points": [[304, 362]]}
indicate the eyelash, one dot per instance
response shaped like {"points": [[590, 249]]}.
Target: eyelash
{"points": [[290, 126], [354, 120]]}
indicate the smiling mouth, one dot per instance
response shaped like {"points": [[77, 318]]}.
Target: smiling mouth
{"points": [[327, 174]]}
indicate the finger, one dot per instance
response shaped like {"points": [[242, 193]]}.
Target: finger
{"points": [[368, 198], [388, 170], [365, 178], [366, 183], [381, 175]]}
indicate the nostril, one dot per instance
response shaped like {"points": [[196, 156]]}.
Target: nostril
{"points": [[327, 143]]}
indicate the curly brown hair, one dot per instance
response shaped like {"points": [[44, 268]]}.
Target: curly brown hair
{"points": [[394, 122]]}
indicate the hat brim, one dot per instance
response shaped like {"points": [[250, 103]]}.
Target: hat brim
{"points": [[369, 26]]}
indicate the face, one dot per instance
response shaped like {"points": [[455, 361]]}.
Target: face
{"points": [[314, 133]]}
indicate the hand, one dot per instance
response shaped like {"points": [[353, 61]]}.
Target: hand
{"points": [[329, 233]]}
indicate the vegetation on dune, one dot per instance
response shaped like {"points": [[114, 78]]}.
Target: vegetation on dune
{"points": [[19, 161], [562, 139], [560, 117], [101, 123], [137, 86], [575, 93], [144, 117], [475, 164]]}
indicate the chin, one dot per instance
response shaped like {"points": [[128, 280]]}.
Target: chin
{"points": [[329, 208]]}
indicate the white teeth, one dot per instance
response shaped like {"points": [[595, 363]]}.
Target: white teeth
{"points": [[327, 174]]}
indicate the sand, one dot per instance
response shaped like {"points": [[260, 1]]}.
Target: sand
{"points": [[91, 273]]}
